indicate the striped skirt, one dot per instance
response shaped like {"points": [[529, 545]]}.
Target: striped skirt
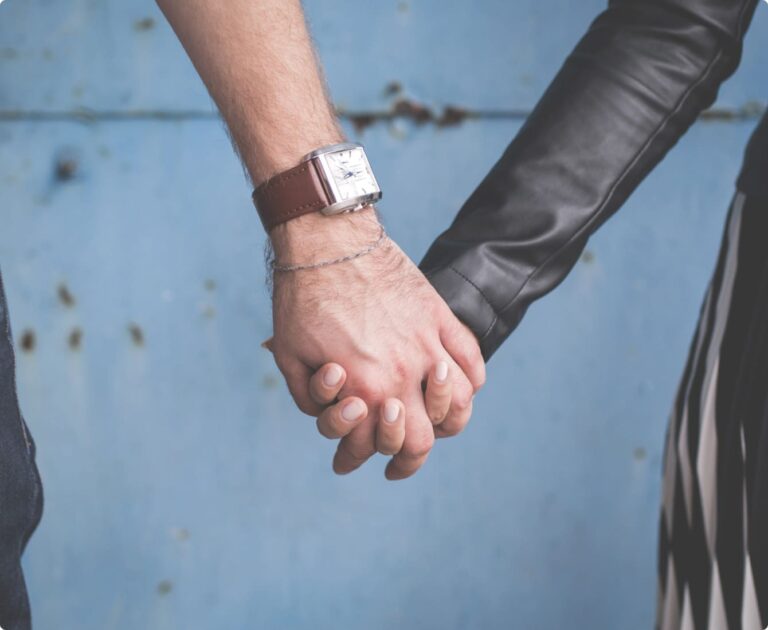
{"points": [[713, 540]]}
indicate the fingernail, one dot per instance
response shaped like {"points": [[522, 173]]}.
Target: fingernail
{"points": [[353, 410], [441, 372], [391, 411], [332, 376]]}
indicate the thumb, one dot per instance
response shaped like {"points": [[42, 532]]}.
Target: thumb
{"points": [[461, 343]]}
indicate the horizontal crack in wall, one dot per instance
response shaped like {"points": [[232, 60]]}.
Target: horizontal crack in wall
{"points": [[403, 109]]}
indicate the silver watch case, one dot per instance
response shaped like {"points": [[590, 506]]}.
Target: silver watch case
{"points": [[337, 205]]}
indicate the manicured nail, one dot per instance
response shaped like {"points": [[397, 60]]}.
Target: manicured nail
{"points": [[332, 376], [391, 411], [353, 410], [441, 371]]}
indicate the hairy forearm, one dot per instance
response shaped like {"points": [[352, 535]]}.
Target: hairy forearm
{"points": [[257, 60]]}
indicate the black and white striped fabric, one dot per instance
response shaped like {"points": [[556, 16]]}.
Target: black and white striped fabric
{"points": [[713, 541]]}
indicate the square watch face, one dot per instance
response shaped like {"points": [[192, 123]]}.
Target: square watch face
{"points": [[350, 174]]}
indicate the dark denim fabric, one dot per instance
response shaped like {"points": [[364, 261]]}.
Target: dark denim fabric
{"points": [[21, 496]]}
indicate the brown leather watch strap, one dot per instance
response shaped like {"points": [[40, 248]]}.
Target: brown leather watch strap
{"points": [[289, 195]]}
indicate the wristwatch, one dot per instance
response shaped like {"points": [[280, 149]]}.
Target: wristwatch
{"points": [[333, 179]]}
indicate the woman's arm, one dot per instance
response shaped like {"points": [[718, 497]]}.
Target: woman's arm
{"points": [[632, 86]]}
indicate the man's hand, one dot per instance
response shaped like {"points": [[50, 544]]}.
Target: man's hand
{"points": [[379, 317], [376, 315]]}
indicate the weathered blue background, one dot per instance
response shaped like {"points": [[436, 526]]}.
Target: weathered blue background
{"points": [[183, 490]]}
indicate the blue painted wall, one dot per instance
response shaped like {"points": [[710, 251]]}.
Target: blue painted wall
{"points": [[183, 490]]}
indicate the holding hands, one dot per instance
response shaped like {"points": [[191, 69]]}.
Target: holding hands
{"points": [[374, 315], [370, 348]]}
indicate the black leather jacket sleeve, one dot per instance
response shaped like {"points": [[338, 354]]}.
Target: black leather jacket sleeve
{"points": [[632, 86]]}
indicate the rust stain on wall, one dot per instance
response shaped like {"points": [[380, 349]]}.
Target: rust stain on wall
{"points": [[65, 169], [145, 24], [75, 338], [136, 333], [65, 296], [28, 340]]}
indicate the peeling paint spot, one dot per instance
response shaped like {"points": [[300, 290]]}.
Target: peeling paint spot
{"points": [[639, 454], [209, 312], [47, 54], [362, 121], [397, 131], [145, 24], [587, 256], [417, 112], [403, 6], [78, 90], [65, 295], [75, 338], [408, 109], [164, 587], [28, 340], [137, 334], [8, 53], [452, 116], [210, 285]]}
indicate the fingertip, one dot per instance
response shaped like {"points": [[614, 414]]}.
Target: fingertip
{"points": [[441, 372], [334, 376], [389, 471], [392, 473], [338, 468], [479, 379], [393, 409], [438, 395], [354, 410]]}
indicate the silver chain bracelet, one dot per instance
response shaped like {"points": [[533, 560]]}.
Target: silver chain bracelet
{"points": [[325, 263]]}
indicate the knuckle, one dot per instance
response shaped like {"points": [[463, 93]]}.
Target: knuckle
{"points": [[319, 396], [316, 382], [281, 359], [355, 451], [462, 400], [386, 448], [437, 413], [481, 376], [368, 387], [472, 352], [400, 370], [370, 393], [306, 407], [420, 445], [323, 428], [452, 428]]}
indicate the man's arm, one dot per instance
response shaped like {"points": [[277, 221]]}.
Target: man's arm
{"points": [[634, 84], [257, 61], [376, 315]]}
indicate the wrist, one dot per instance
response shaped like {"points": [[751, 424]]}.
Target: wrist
{"points": [[315, 236], [269, 158]]}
